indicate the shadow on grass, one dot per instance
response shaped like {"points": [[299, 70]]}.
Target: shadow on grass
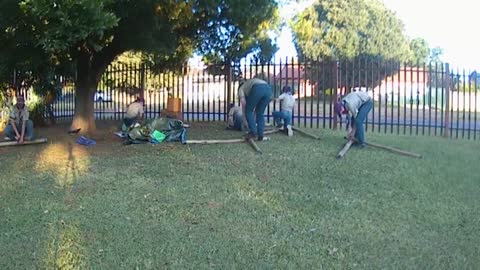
{"points": [[66, 164]]}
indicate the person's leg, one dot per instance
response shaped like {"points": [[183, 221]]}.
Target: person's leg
{"points": [[265, 93], [277, 118], [237, 122], [288, 122], [29, 130], [252, 100], [9, 132], [128, 121], [361, 117], [287, 116]]}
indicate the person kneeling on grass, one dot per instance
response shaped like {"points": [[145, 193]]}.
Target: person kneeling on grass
{"points": [[285, 115], [358, 105], [134, 112], [19, 128], [235, 117]]}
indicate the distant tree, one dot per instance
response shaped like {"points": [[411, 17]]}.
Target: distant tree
{"points": [[362, 32], [436, 55], [420, 51]]}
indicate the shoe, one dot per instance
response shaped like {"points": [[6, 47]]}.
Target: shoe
{"points": [[7, 139], [250, 136], [289, 131], [260, 139]]}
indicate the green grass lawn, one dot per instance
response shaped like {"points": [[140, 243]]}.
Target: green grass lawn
{"points": [[173, 206]]}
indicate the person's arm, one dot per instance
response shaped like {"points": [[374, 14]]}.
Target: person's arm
{"points": [[352, 127], [243, 103], [280, 98], [22, 136], [14, 126], [140, 113]]}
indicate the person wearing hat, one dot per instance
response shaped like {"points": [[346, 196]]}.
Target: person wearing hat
{"points": [[134, 113], [254, 95], [283, 118], [19, 128], [358, 104]]}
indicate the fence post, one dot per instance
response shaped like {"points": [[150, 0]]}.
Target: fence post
{"points": [[229, 82], [335, 86], [446, 134], [143, 79]]}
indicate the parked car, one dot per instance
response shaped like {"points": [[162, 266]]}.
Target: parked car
{"points": [[101, 96]]}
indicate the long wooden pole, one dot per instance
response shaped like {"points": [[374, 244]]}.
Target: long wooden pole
{"points": [[392, 149], [271, 131], [344, 149], [12, 143], [395, 150], [306, 133], [215, 141]]}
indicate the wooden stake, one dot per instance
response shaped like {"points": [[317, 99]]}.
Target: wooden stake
{"points": [[344, 149], [255, 146], [306, 133], [12, 143]]}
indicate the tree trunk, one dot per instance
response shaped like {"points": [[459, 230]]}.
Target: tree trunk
{"points": [[90, 68], [84, 118], [86, 83]]}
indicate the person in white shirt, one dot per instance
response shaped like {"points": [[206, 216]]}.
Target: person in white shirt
{"points": [[283, 118], [235, 117], [358, 105], [134, 112]]}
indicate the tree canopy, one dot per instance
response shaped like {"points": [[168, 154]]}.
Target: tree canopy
{"points": [[420, 50], [346, 29], [91, 33], [355, 33]]}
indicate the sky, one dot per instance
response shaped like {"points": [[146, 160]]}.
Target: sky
{"points": [[453, 26]]}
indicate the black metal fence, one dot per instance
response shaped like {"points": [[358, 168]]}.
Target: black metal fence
{"points": [[427, 99]]}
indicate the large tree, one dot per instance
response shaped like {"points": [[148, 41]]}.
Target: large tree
{"points": [[355, 32], [91, 33]]}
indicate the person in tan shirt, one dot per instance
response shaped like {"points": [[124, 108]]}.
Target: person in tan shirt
{"points": [[19, 128], [358, 105], [254, 95]]}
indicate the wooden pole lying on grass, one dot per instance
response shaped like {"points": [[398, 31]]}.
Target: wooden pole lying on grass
{"points": [[395, 150], [11, 143], [215, 141], [250, 141], [344, 149], [392, 149], [225, 141], [271, 131], [306, 133]]}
